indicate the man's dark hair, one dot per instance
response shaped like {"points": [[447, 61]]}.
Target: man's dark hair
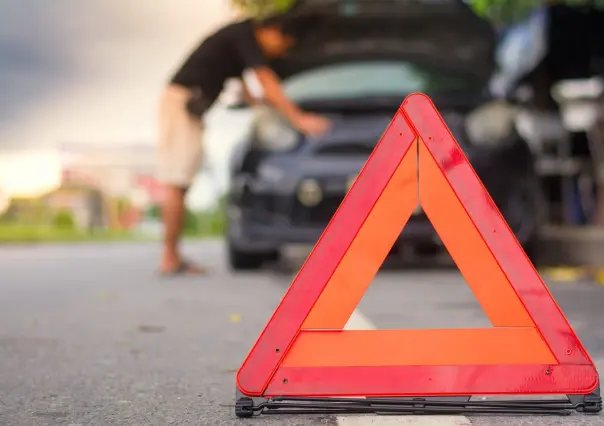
{"points": [[294, 22]]}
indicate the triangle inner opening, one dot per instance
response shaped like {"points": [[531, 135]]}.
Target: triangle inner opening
{"points": [[419, 181], [408, 295], [336, 308], [428, 299]]}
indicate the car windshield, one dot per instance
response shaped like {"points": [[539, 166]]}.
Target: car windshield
{"points": [[374, 79]]}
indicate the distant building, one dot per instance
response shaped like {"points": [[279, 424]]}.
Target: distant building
{"points": [[86, 204], [114, 168], [124, 172]]}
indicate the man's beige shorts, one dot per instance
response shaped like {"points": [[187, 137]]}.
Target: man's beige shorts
{"points": [[180, 150]]}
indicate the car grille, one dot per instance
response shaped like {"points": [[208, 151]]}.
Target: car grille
{"points": [[318, 215], [267, 208], [321, 214], [356, 149], [263, 208]]}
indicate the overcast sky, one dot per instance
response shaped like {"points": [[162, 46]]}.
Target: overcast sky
{"points": [[89, 71]]}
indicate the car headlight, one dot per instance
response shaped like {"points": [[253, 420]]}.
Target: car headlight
{"points": [[310, 193], [490, 123], [273, 133]]}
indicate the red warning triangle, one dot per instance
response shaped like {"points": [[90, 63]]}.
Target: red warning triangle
{"points": [[304, 351]]}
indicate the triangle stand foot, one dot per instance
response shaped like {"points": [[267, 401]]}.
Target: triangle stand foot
{"points": [[588, 404]]}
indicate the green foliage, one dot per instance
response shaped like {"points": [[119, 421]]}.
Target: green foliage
{"points": [[218, 217], [261, 9], [212, 223], [502, 12], [121, 205], [154, 212], [191, 224], [198, 224], [8, 216], [208, 223], [64, 220], [11, 233], [23, 210]]}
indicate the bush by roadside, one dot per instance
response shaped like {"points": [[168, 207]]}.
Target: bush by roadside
{"points": [[15, 233], [60, 226], [30, 234]]}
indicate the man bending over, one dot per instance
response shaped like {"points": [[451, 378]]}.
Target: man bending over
{"points": [[226, 54]]}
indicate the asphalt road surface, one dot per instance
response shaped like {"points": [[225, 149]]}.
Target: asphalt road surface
{"points": [[89, 334]]}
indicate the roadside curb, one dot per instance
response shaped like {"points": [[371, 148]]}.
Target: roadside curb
{"points": [[598, 277], [573, 274]]}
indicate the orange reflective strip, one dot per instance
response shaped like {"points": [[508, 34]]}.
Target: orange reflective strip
{"points": [[467, 248], [486, 346], [371, 246]]}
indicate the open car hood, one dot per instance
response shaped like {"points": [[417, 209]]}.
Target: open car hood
{"points": [[443, 32]]}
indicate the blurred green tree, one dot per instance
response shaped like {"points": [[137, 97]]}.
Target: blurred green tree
{"points": [[502, 12], [191, 224], [261, 9], [64, 220], [154, 212], [121, 205], [218, 217]]}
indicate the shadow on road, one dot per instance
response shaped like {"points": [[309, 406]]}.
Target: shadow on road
{"points": [[426, 264]]}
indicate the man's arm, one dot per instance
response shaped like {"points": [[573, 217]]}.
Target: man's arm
{"points": [[247, 95], [253, 59], [310, 124], [274, 94]]}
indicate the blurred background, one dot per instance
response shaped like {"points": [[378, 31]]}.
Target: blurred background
{"points": [[80, 84], [91, 334]]}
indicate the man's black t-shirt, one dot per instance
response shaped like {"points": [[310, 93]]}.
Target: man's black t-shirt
{"points": [[223, 55]]}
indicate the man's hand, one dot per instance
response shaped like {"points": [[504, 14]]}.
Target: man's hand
{"points": [[312, 125], [247, 95]]}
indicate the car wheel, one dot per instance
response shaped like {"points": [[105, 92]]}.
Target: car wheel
{"points": [[524, 211], [240, 260]]}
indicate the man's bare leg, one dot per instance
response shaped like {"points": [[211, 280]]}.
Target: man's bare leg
{"points": [[173, 214]]}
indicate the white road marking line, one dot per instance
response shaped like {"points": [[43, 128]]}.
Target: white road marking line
{"points": [[358, 321], [404, 420]]}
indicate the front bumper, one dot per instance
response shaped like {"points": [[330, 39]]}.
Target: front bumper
{"points": [[247, 233]]}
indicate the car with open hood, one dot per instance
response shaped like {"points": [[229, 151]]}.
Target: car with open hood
{"points": [[356, 65]]}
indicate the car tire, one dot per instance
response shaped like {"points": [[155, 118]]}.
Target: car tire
{"points": [[239, 260], [524, 211]]}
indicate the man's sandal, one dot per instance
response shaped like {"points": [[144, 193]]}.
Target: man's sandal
{"points": [[185, 268]]}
